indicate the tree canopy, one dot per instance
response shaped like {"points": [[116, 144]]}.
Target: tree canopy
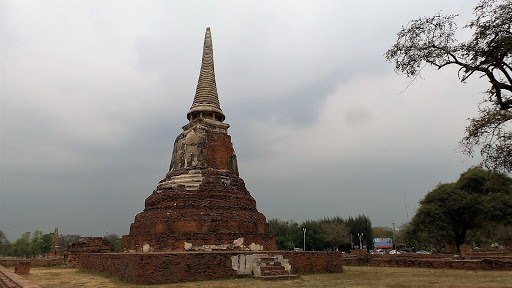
{"points": [[446, 214], [33, 244], [431, 41], [66, 239], [4, 243], [115, 240], [21, 246], [328, 233], [361, 225], [287, 233]]}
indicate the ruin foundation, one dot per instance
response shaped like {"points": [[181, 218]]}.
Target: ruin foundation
{"points": [[153, 268]]}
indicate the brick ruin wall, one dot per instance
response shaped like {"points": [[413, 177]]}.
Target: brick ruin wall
{"points": [[10, 280], [23, 268], [50, 262], [436, 261], [485, 253], [152, 268], [84, 246], [201, 201], [175, 216]]}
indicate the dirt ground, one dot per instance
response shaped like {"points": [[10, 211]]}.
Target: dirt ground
{"points": [[352, 277]]}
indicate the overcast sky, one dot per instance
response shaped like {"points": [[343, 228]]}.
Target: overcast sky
{"points": [[94, 93]]}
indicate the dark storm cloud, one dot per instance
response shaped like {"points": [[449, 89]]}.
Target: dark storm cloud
{"points": [[94, 93]]}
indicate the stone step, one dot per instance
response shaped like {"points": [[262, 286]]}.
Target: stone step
{"points": [[184, 181], [187, 187], [271, 269], [187, 176], [191, 181], [274, 274], [278, 277], [187, 179], [271, 264], [267, 259]]}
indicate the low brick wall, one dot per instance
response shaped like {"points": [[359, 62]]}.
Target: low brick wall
{"points": [[33, 262], [313, 262], [427, 261], [168, 267], [10, 280], [481, 255]]}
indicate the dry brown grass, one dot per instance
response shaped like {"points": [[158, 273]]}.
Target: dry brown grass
{"points": [[352, 277]]}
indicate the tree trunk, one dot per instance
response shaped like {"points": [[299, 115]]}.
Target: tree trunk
{"points": [[460, 237]]}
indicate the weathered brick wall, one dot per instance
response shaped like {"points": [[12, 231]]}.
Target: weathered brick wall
{"points": [[220, 152], [33, 262], [220, 211], [10, 280], [489, 255], [486, 254], [151, 268], [204, 144], [313, 262], [23, 268], [202, 200], [427, 261], [84, 246]]}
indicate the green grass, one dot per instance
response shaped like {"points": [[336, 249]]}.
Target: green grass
{"points": [[352, 277]]}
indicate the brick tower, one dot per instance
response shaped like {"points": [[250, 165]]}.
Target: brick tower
{"points": [[55, 243], [202, 203]]}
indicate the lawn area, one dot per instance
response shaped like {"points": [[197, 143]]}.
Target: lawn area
{"points": [[352, 277]]}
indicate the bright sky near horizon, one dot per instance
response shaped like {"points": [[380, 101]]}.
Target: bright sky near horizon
{"points": [[93, 94]]}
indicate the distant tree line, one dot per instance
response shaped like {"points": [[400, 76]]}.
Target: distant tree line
{"points": [[37, 243], [32, 244], [476, 210], [325, 234]]}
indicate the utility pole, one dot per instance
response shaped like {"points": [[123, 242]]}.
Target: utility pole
{"points": [[304, 230], [360, 238], [394, 236]]}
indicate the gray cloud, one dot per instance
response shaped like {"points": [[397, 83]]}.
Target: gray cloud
{"points": [[94, 93]]}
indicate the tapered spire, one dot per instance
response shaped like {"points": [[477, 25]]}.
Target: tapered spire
{"points": [[206, 101]]}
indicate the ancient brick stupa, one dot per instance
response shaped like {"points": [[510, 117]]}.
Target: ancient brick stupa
{"points": [[202, 203]]}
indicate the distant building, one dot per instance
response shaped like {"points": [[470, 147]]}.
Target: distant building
{"points": [[55, 243], [383, 243]]}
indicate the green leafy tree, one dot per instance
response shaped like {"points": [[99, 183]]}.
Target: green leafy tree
{"points": [[320, 234], [20, 247], [46, 243], [35, 243], [115, 240], [382, 232], [4, 244], [504, 235], [430, 41], [361, 224], [315, 236], [66, 239], [336, 233], [449, 211], [400, 236], [287, 233], [428, 230], [40, 243]]}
